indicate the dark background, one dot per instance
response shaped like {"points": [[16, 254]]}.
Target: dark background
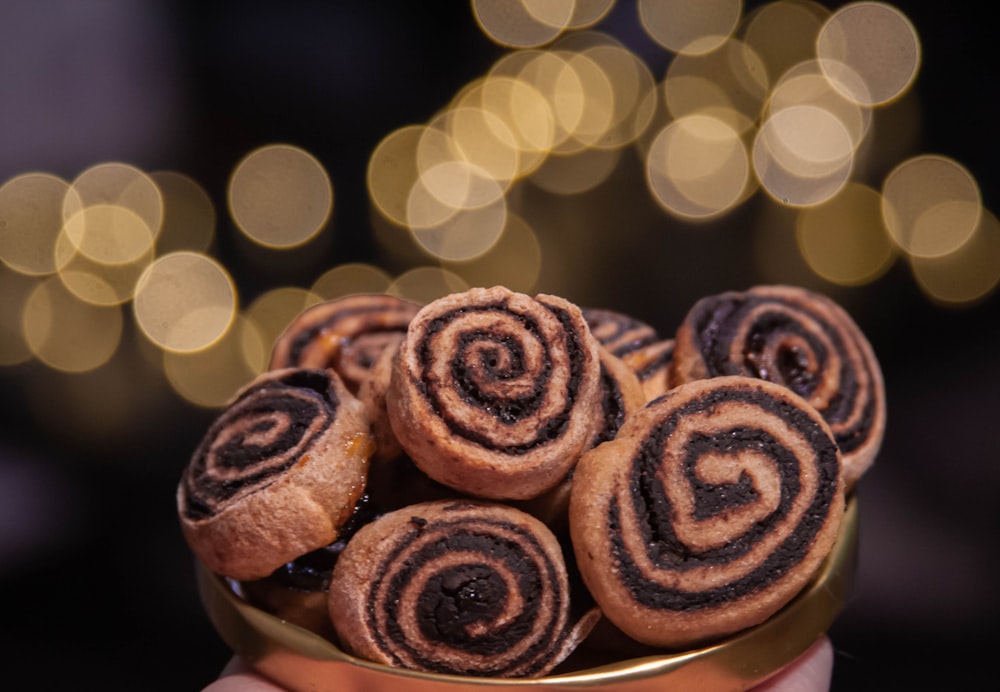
{"points": [[95, 580]]}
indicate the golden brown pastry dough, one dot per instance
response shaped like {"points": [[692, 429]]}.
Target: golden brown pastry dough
{"points": [[276, 475], [712, 508], [797, 338], [495, 393], [346, 334], [456, 587]]}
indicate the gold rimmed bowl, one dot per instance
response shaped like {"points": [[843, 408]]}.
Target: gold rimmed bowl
{"points": [[301, 660]]}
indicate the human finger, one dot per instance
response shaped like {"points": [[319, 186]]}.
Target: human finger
{"points": [[810, 672], [238, 677]]}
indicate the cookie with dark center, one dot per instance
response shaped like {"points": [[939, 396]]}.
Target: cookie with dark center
{"points": [[346, 334], [799, 339], [713, 507], [456, 587], [277, 474], [496, 393]]}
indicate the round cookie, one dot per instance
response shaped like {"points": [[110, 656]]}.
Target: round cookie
{"points": [[372, 394], [277, 474], [799, 339], [712, 508], [456, 587], [621, 395], [346, 334], [621, 334], [637, 344], [496, 393]]}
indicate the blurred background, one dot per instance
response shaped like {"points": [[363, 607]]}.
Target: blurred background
{"points": [[178, 179]]}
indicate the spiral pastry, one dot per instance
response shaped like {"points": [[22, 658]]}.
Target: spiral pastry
{"points": [[621, 395], [456, 587], [372, 394], [621, 334], [346, 334], [712, 508], [496, 393], [799, 339], [298, 591], [277, 474]]}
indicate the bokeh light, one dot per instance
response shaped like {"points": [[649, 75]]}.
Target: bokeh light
{"points": [[586, 13], [31, 219], [783, 33], [931, 205], [104, 283], [185, 301], [280, 196], [268, 315], [691, 28], [108, 234], [697, 167], [425, 284], [520, 113], [787, 99], [806, 85], [463, 234], [803, 155], [113, 184], [967, 274], [628, 100], [210, 377], [874, 41], [393, 171], [574, 174], [67, 334], [514, 261], [730, 83], [189, 217], [523, 23], [347, 279], [844, 240], [15, 289]]}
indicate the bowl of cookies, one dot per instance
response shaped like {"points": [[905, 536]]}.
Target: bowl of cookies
{"points": [[496, 489]]}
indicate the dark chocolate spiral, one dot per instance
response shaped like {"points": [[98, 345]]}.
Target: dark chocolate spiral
{"points": [[710, 510], [621, 334], [264, 432], [797, 338], [621, 394], [495, 393], [455, 587], [346, 334], [278, 473]]}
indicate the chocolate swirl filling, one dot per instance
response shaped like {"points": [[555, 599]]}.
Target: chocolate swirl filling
{"points": [[262, 434], [666, 551], [786, 341], [488, 370], [612, 407], [500, 607], [347, 334], [621, 334]]}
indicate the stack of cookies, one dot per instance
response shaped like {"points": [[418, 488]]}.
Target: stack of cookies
{"points": [[482, 484]]}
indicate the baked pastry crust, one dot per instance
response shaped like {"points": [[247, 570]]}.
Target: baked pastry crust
{"points": [[712, 508], [496, 393], [797, 338], [457, 587], [346, 334], [277, 474]]}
